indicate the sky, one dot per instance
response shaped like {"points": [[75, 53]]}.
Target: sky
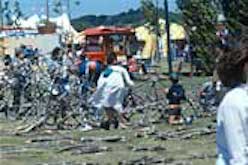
{"points": [[86, 7]]}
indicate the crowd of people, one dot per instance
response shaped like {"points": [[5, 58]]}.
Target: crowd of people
{"points": [[56, 69], [109, 84]]}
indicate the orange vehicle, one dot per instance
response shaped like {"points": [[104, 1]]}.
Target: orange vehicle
{"points": [[102, 40]]}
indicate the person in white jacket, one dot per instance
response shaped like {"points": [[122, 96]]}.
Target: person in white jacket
{"points": [[111, 91], [232, 115]]}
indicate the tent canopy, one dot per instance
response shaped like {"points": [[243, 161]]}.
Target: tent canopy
{"points": [[177, 32], [63, 23]]}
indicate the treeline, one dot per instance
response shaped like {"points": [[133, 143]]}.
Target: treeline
{"points": [[131, 17]]}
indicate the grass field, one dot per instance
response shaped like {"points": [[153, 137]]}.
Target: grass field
{"points": [[17, 150]]}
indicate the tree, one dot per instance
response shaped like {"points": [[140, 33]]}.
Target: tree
{"points": [[7, 20], [17, 13], [57, 7], [10, 13], [59, 4], [149, 11], [1, 15], [235, 13], [200, 18]]}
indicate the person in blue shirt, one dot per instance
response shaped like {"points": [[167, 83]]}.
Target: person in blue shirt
{"points": [[83, 61], [90, 69], [94, 69], [175, 95]]}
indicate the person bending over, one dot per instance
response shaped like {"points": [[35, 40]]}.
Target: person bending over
{"points": [[111, 91]]}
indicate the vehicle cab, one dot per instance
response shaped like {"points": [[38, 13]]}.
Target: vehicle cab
{"points": [[100, 41]]}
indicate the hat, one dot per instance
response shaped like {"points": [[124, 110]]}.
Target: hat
{"points": [[174, 77]]}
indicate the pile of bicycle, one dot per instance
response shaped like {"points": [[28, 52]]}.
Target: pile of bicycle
{"points": [[47, 91]]}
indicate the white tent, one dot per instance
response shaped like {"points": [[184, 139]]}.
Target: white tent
{"points": [[63, 23], [32, 21]]}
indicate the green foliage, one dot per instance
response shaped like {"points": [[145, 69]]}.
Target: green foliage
{"points": [[10, 12], [200, 19], [236, 13], [57, 6], [150, 12], [17, 12], [7, 13], [132, 17]]}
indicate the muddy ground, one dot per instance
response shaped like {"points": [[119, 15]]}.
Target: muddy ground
{"points": [[156, 144]]}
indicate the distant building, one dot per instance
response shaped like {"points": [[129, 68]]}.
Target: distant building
{"points": [[10, 38], [32, 32]]}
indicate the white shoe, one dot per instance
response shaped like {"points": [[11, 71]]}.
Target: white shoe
{"points": [[87, 127]]}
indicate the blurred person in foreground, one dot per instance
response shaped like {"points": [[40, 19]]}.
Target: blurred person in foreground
{"points": [[232, 117], [111, 91]]}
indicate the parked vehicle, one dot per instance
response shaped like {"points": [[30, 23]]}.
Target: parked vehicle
{"points": [[100, 41]]}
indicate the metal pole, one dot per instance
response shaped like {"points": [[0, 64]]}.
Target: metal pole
{"points": [[157, 54], [1, 15], [69, 15], [47, 10], [167, 27]]}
